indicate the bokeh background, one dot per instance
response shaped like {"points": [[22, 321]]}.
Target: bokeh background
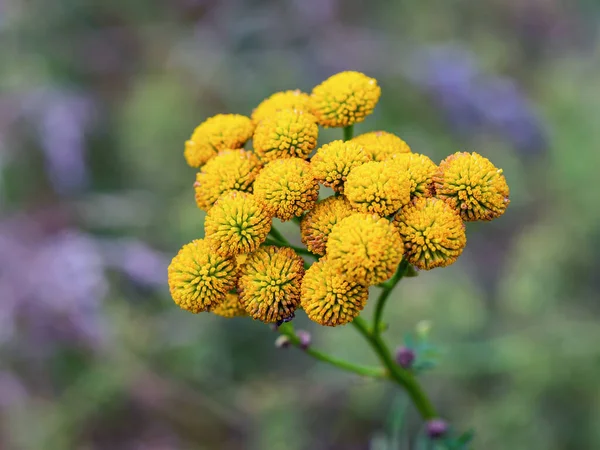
{"points": [[96, 100]]}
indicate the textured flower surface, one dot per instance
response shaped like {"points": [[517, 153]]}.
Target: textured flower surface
{"points": [[333, 162], [199, 278], [472, 185], [286, 134], [229, 307], [365, 248], [377, 187], [381, 145], [287, 188], [229, 170], [237, 223], [318, 222], [281, 100], [270, 283], [420, 170], [433, 233], [328, 298], [344, 99], [220, 132]]}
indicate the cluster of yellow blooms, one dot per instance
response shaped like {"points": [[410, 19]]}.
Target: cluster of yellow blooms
{"points": [[388, 204]]}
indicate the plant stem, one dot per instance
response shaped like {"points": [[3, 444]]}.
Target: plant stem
{"points": [[388, 287], [278, 236], [401, 376], [287, 329], [280, 240], [348, 132]]}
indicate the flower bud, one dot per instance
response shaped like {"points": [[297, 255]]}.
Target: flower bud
{"points": [[405, 357], [282, 341], [305, 339], [437, 428]]}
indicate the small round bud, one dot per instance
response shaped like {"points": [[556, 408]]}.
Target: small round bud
{"points": [[405, 357], [436, 428], [305, 339], [282, 341]]}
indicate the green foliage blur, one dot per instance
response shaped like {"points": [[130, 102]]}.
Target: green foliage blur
{"points": [[96, 101]]}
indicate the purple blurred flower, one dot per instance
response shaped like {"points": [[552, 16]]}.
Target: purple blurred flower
{"points": [[62, 119], [138, 261], [52, 286], [474, 102]]}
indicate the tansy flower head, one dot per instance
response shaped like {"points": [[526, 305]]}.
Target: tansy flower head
{"points": [[381, 145], [281, 100], [472, 185], [229, 170], [328, 298], [286, 134], [199, 278], [365, 248], [377, 187], [286, 187], [229, 307], [432, 231], [420, 170], [333, 162], [344, 99], [220, 132], [237, 223], [318, 222], [269, 286]]}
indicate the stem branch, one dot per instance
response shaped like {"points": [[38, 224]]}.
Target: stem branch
{"points": [[348, 132], [287, 329], [388, 287], [401, 376]]}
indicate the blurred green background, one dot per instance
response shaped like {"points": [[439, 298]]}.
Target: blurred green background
{"points": [[96, 100]]}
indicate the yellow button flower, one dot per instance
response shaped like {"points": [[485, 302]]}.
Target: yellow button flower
{"points": [[269, 286], [229, 170], [365, 248], [344, 99], [472, 185], [287, 133], [377, 187], [328, 298], [281, 100], [433, 233], [199, 278], [420, 171], [286, 187], [333, 162], [381, 145], [237, 223], [318, 222], [220, 132], [229, 307]]}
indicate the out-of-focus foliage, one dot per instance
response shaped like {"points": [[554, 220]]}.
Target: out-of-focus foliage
{"points": [[96, 102]]}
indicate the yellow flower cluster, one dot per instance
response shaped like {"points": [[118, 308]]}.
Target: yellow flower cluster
{"points": [[389, 204]]}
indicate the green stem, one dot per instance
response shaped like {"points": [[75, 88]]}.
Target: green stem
{"points": [[388, 287], [287, 329], [281, 241], [278, 236], [401, 376], [348, 132]]}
